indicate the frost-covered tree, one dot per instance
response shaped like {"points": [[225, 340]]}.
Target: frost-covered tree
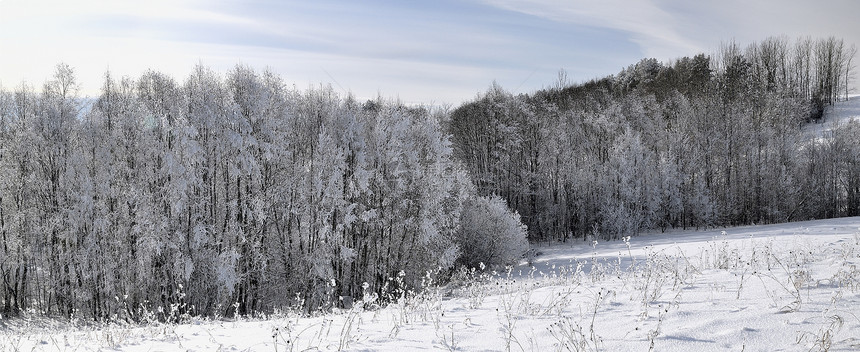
{"points": [[490, 233], [718, 134]]}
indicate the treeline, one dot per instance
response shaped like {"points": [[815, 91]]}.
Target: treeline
{"points": [[221, 195], [238, 194], [700, 141]]}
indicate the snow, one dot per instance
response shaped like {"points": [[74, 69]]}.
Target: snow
{"points": [[784, 287], [834, 116]]}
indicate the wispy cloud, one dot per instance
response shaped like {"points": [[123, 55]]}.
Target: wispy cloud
{"points": [[442, 50], [655, 30], [446, 51]]}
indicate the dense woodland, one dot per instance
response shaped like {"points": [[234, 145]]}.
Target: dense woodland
{"points": [[698, 142], [238, 194], [217, 196]]}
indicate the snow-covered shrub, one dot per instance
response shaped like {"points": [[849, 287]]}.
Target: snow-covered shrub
{"points": [[490, 233]]}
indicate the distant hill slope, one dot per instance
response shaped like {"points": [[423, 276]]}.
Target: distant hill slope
{"points": [[834, 116]]}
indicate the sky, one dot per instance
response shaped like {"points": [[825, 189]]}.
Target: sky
{"points": [[421, 52]]}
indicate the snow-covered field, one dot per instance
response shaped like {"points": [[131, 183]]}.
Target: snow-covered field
{"points": [[787, 287]]}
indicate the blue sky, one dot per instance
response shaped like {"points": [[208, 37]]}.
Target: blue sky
{"points": [[437, 52]]}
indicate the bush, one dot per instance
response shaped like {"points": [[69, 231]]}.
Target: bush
{"points": [[490, 233]]}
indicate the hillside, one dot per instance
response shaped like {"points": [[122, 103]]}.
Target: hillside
{"points": [[834, 116]]}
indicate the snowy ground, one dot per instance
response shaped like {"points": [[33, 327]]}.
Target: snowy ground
{"points": [[788, 287], [834, 116]]}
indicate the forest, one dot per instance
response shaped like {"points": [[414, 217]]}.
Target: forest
{"points": [[239, 194], [701, 141]]}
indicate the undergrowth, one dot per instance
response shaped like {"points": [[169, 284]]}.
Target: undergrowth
{"points": [[567, 299]]}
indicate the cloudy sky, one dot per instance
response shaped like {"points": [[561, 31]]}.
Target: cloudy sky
{"points": [[435, 51]]}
